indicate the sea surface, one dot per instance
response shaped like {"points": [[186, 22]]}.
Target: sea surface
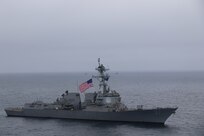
{"points": [[151, 89]]}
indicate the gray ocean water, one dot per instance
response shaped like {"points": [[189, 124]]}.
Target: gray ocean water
{"points": [[184, 89]]}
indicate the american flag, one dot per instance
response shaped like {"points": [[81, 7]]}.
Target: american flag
{"points": [[86, 85]]}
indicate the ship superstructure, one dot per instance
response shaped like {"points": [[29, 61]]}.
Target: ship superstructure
{"points": [[104, 105]]}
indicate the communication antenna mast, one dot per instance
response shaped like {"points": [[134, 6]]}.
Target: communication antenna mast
{"points": [[102, 77], [99, 61]]}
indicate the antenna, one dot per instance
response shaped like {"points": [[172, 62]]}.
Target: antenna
{"points": [[102, 77], [99, 61]]}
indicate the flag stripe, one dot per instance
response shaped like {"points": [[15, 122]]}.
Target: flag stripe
{"points": [[86, 85]]}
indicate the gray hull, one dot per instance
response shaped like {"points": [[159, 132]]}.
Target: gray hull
{"points": [[159, 115]]}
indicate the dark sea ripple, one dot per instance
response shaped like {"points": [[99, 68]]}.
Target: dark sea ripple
{"points": [[184, 89]]}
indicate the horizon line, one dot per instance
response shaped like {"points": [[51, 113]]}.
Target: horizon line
{"points": [[122, 71]]}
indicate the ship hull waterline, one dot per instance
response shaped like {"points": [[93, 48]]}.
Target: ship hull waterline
{"points": [[158, 116]]}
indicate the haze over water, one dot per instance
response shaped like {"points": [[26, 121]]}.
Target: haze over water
{"points": [[128, 35]]}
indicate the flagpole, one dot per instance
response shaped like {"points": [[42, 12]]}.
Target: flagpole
{"points": [[80, 94], [77, 86]]}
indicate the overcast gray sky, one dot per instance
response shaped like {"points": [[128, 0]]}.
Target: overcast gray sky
{"points": [[128, 35]]}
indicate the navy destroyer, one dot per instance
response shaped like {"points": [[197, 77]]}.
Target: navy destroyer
{"points": [[103, 105]]}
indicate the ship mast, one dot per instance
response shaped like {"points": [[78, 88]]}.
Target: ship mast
{"points": [[103, 78]]}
